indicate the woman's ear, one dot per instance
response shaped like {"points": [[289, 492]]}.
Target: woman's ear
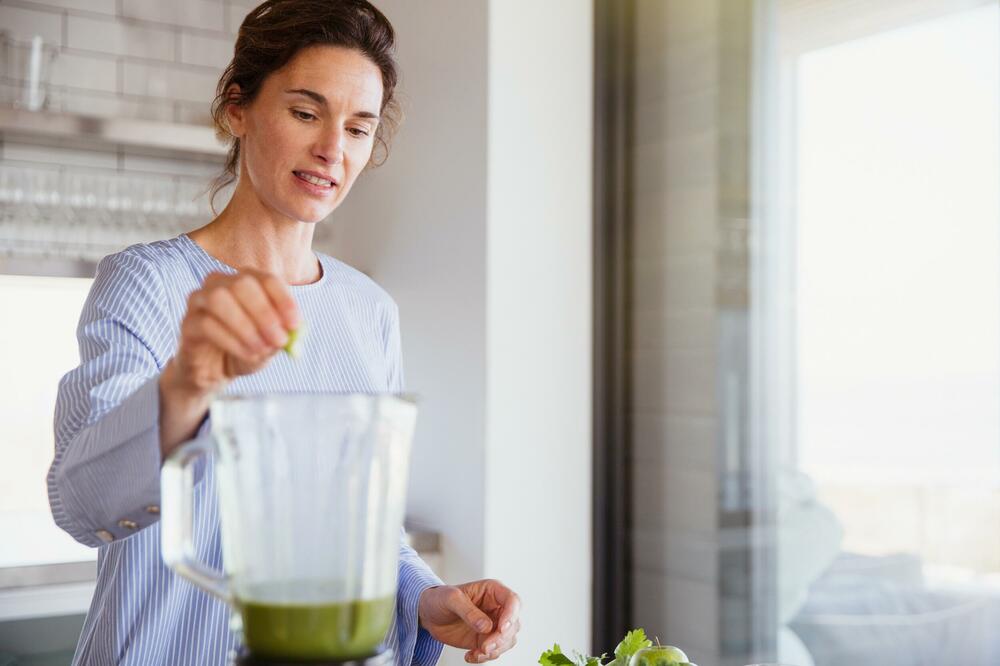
{"points": [[235, 112]]}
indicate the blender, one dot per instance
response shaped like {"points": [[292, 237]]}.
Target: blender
{"points": [[312, 492]]}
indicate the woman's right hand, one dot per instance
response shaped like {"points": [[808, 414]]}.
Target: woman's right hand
{"points": [[234, 324]]}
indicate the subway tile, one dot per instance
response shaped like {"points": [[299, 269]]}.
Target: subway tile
{"points": [[678, 69], [80, 71], [688, 442], [11, 93], [234, 17], [675, 221], [678, 611], [63, 152], [152, 109], [120, 38], [688, 329], [691, 554], [23, 24], [208, 51], [677, 115], [204, 14], [675, 283], [684, 161], [89, 103], [166, 81], [193, 113], [675, 497], [674, 383], [99, 6], [682, 17]]}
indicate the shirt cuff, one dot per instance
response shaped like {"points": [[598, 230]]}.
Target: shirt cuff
{"points": [[107, 482], [416, 645]]}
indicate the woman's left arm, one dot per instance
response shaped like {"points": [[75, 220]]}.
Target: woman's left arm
{"points": [[414, 575]]}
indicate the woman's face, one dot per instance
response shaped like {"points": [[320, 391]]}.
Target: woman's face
{"points": [[310, 131]]}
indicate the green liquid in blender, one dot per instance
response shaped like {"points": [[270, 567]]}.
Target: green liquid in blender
{"points": [[315, 631]]}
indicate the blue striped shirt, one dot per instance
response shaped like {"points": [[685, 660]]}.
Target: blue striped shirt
{"points": [[106, 470]]}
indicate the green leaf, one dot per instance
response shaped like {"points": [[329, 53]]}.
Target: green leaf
{"points": [[634, 641], [554, 657]]}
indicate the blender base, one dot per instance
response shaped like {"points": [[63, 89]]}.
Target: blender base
{"points": [[384, 658]]}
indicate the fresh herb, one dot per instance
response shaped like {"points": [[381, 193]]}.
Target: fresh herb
{"points": [[634, 641]]}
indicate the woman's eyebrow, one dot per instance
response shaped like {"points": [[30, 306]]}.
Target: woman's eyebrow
{"points": [[321, 100]]}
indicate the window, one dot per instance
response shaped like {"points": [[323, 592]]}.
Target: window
{"points": [[37, 347], [878, 329]]}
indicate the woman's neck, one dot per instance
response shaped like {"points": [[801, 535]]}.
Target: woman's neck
{"points": [[246, 236]]}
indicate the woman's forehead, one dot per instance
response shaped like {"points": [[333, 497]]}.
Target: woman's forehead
{"points": [[339, 75]]}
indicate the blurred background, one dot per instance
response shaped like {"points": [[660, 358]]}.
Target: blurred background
{"points": [[701, 298]]}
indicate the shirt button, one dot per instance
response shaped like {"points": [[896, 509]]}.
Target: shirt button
{"points": [[127, 524], [152, 508], [105, 536]]}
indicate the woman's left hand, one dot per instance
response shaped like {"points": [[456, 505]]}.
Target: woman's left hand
{"points": [[481, 617]]}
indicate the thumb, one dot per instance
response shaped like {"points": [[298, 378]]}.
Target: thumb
{"points": [[462, 606]]}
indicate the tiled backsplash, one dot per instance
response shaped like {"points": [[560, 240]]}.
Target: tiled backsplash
{"points": [[145, 59], [139, 59]]}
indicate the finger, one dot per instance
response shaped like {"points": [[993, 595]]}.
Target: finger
{"points": [[500, 648], [463, 607], [249, 292], [498, 642], [207, 328], [490, 650], [222, 304], [511, 609], [277, 291]]}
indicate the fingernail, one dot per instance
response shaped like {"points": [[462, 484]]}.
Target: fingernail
{"points": [[490, 647], [483, 625], [506, 626]]}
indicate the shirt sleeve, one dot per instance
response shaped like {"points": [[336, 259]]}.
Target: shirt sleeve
{"points": [[393, 351], [104, 481], [416, 645]]}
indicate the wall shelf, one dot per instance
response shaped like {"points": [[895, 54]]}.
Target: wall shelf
{"points": [[144, 136]]}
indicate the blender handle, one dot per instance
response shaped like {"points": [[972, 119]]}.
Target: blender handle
{"points": [[177, 518]]}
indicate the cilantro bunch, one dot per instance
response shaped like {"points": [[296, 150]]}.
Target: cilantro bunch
{"points": [[634, 641]]}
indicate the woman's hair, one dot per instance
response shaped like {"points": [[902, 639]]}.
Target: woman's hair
{"points": [[273, 33]]}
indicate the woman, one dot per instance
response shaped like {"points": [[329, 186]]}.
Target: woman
{"points": [[169, 324]]}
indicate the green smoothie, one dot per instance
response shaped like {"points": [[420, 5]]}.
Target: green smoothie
{"points": [[315, 631]]}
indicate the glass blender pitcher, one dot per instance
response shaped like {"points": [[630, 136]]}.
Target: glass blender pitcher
{"points": [[312, 491]]}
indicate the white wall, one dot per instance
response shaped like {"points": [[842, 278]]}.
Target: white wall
{"points": [[538, 439], [480, 227]]}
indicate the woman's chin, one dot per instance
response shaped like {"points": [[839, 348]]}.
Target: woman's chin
{"points": [[311, 215]]}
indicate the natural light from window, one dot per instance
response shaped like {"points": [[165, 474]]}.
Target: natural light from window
{"points": [[37, 347], [898, 279]]}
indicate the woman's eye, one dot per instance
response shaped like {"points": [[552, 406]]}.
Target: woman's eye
{"points": [[303, 115], [357, 131]]}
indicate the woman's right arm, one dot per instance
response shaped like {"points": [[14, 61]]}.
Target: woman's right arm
{"points": [[127, 406], [233, 326]]}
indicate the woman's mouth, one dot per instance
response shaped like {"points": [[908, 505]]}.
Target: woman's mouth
{"points": [[314, 184]]}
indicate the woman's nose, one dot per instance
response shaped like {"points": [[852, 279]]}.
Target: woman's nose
{"points": [[330, 148]]}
